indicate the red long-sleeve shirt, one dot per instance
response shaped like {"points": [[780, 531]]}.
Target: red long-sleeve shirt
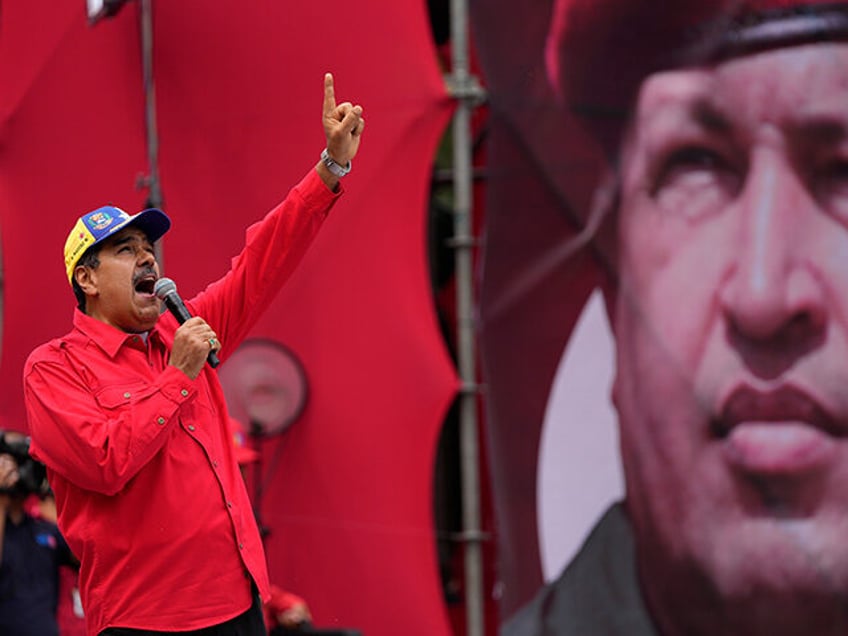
{"points": [[140, 457]]}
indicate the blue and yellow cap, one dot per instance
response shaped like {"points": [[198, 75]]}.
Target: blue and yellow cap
{"points": [[93, 227]]}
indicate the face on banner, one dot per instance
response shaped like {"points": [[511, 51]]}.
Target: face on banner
{"points": [[732, 322], [725, 241]]}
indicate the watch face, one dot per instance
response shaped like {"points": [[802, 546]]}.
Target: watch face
{"points": [[265, 386]]}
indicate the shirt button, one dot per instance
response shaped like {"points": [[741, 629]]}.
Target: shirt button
{"points": [[241, 546], [215, 463], [127, 395], [191, 427], [161, 420], [229, 504], [184, 393]]}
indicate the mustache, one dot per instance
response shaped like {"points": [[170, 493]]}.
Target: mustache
{"points": [[145, 272]]}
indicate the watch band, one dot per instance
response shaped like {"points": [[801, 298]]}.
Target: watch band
{"points": [[336, 168]]}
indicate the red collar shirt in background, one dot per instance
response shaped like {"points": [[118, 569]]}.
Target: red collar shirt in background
{"points": [[140, 457]]}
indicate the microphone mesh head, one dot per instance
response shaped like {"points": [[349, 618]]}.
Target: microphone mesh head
{"points": [[163, 287]]}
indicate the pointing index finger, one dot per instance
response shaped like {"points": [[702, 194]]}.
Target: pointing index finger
{"points": [[329, 94]]}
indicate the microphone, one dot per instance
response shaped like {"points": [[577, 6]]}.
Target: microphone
{"points": [[166, 290]]}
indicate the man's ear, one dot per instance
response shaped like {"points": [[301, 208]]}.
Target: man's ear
{"points": [[86, 279]]}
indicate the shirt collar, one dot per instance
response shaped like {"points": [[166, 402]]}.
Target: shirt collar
{"points": [[104, 335]]}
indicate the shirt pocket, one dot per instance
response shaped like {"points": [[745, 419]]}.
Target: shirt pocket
{"points": [[122, 396]]}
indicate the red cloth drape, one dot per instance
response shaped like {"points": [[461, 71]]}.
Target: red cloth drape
{"points": [[239, 90]]}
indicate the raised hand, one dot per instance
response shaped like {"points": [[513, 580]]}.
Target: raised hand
{"points": [[343, 125]]}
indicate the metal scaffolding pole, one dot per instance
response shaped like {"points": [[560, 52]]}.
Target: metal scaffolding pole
{"points": [[151, 179], [467, 91]]}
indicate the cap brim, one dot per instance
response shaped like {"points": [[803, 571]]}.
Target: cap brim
{"points": [[152, 221]]}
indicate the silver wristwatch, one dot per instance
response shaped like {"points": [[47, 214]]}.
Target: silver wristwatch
{"points": [[336, 168]]}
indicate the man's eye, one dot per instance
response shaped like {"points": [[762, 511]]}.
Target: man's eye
{"points": [[837, 172], [831, 187], [695, 181], [685, 161]]}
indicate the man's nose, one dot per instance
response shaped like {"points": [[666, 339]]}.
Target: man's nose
{"points": [[775, 282], [145, 257]]}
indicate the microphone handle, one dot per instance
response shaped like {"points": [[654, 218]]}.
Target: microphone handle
{"points": [[178, 308]]}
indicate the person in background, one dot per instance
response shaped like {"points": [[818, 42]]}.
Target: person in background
{"points": [[283, 610], [131, 420], [32, 550], [286, 613], [69, 614]]}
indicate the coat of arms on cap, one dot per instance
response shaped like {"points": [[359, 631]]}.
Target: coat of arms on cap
{"points": [[99, 220]]}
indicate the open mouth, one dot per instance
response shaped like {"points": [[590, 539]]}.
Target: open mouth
{"points": [[144, 285]]}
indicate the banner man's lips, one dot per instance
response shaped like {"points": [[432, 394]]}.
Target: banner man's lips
{"points": [[786, 403], [782, 432]]}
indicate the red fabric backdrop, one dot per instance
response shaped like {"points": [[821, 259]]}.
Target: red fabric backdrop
{"points": [[239, 89]]}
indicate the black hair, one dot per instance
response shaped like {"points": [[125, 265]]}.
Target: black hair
{"points": [[90, 258]]}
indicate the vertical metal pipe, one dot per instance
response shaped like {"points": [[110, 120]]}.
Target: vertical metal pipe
{"points": [[466, 340], [154, 191]]}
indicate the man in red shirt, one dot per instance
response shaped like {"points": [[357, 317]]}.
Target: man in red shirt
{"points": [[133, 426]]}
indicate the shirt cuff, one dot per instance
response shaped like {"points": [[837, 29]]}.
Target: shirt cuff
{"points": [[177, 386], [315, 192]]}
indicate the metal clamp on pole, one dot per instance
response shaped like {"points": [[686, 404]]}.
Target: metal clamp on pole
{"points": [[467, 88]]}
